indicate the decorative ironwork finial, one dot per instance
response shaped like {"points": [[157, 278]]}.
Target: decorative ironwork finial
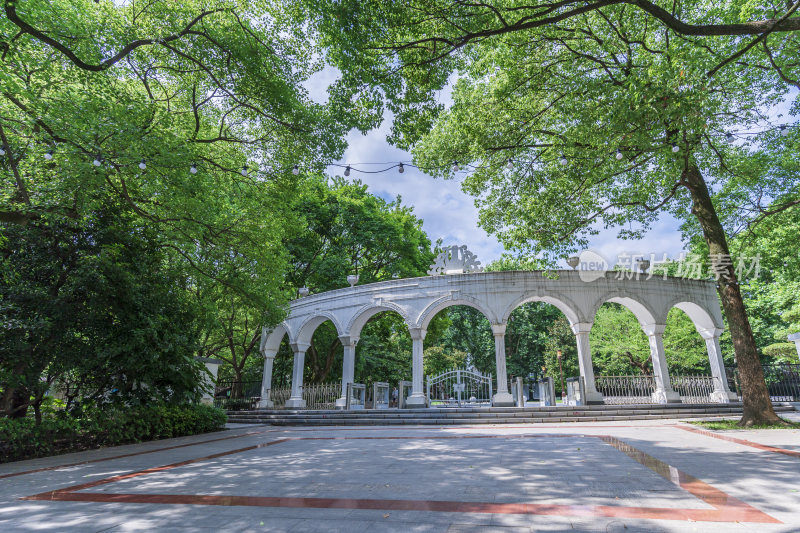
{"points": [[455, 260]]}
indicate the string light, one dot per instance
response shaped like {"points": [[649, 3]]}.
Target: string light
{"points": [[730, 137]]}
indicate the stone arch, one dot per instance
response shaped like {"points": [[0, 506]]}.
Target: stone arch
{"points": [[271, 340], [434, 307], [306, 331], [702, 319], [363, 315], [567, 307], [645, 314]]}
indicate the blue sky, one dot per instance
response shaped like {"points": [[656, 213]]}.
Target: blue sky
{"points": [[450, 214]]}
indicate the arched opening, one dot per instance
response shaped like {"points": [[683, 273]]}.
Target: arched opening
{"points": [[538, 328], [383, 352], [619, 346], [459, 337], [685, 348]]}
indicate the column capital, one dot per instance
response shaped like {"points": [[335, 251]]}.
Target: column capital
{"points": [[300, 347], [499, 329], [348, 340], [417, 334], [710, 333], [269, 354], [654, 329], [581, 327]]}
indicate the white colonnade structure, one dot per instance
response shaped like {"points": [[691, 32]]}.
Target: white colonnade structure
{"points": [[496, 295]]}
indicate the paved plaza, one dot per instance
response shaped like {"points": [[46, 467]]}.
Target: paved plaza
{"points": [[627, 476]]}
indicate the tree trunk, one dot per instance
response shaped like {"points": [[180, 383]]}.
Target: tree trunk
{"points": [[755, 396]]}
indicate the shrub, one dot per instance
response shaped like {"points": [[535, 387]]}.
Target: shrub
{"points": [[23, 439]]}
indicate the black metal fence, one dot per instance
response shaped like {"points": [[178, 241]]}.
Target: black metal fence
{"points": [[237, 395], [783, 381]]}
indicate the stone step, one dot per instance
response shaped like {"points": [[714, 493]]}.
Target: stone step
{"points": [[434, 413], [483, 410], [487, 415], [451, 421]]}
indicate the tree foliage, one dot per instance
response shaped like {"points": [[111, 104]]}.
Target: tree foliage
{"points": [[610, 113], [93, 310]]}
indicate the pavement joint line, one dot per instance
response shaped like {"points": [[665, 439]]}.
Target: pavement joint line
{"points": [[285, 429], [102, 459], [743, 442], [726, 508]]}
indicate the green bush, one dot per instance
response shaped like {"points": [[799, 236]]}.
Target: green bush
{"points": [[23, 439]]}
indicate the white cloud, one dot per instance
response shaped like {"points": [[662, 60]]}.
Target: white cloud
{"points": [[447, 212]]}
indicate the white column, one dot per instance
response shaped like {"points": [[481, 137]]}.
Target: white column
{"points": [[664, 392], [722, 393], [266, 380], [417, 398], [348, 367], [581, 331], [795, 338], [502, 398], [296, 400]]}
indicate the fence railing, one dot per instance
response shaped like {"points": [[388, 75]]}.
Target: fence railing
{"points": [[693, 388], [620, 390], [320, 396], [783, 381], [237, 395]]}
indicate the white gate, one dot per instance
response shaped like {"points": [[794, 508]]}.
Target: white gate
{"points": [[460, 388]]}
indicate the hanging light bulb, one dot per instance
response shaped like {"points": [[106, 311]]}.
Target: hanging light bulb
{"points": [[784, 130], [563, 161], [455, 166], [675, 147], [48, 155], [244, 170], [347, 170], [619, 155], [142, 164], [730, 138], [401, 168], [193, 168], [296, 170], [509, 164], [3, 150], [97, 161]]}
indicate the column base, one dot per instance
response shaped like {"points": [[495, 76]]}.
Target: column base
{"points": [[295, 403], [341, 403], [265, 404], [593, 398], [719, 396], [662, 396], [416, 402], [503, 399]]}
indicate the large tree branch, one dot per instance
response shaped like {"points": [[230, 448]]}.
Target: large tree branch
{"points": [[536, 20], [25, 27]]}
